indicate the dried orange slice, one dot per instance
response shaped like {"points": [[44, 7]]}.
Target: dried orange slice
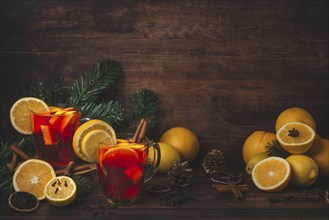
{"points": [[296, 137], [60, 191], [271, 174], [20, 113], [32, 176]]}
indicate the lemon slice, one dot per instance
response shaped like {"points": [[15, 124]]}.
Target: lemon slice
{"points": [[92, 140], [271, 174], [20, 113], [32, 176], [84, 129], [60, 191], [296, 137]]}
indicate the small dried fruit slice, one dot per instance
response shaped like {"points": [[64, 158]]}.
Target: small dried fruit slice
{"points": [[60, 191], [271, 174], [91, 142], [32, 176], [296, 137], [23, 201], [20, 113]]}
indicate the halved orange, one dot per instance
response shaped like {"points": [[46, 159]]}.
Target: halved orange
{"points": [[32, 176], [20, 113], [296, 137], [271, 174]]}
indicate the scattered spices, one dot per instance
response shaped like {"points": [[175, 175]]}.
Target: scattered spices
{"points": [[23, 201], [65, 183], [53, 184], [56, 190], [99, 210], [315, 196], [175, 197]]}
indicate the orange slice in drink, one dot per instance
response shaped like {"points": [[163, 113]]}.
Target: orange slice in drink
{"points": [[122, 157], [20, 113], [48, 135]]}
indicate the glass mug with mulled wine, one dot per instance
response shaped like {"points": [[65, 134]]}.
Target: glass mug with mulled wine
{"points": [[123, 168]]}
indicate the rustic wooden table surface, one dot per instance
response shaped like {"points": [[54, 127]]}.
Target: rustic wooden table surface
{"points": [[209, 204]]}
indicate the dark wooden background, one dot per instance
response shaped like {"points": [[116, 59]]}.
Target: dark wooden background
{"points": [[221, 68]]}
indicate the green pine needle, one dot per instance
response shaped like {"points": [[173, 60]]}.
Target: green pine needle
{"points": [[91, 84], [274, 149], [145, 104], [84, 185], [111, 112]]}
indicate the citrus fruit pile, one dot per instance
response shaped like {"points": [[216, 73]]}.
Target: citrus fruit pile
{"points": [[296, 134], [176, 144]]}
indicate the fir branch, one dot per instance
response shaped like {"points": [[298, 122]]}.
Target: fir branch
{"points": [[111, 112], [145, 104], [52, 92], [91, 84], [274, 149], [84, 185]]}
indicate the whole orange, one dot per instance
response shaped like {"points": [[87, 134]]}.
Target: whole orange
{"points": [[256, 143], [319, 152], [184, 140], [295, 114]]}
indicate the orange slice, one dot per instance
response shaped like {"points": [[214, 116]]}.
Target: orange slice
{"points": [[32, 176], [84, 129], [20, 113], [48, 136], [271, 174], [296, 137]]}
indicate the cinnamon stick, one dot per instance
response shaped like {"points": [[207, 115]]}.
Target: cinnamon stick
{"points": [[19, 152], [75, 170], [68, 168], [235, 190], [227, 189], [143, 131], [13, 163], [138, 130]]}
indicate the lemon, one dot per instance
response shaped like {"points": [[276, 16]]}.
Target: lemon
{"points": [[184, 140], [169, 156], [319, 152], [295, 114], [254, 160], [32, 176], [256, 143], [20, 113], [271, 174], [84, 129], [296, 137], [304, 170], [91, 142], [60, 191]]}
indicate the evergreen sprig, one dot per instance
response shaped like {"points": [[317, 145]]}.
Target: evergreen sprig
{"points": [[84, 185], [112, 112], [274, 149], [52, 92], [92, 83], [145, 104]]}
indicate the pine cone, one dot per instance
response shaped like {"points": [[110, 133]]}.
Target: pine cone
{"points": [[214, 161], [180, 175]]}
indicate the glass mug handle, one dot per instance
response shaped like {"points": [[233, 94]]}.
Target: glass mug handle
{"points": [[153, 166]]}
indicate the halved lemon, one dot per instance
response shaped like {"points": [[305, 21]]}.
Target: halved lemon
{"points": [[20, 113], [91, 142], [296, 137], [32, 176], [84, 129], [271, 174], [60, 191]]}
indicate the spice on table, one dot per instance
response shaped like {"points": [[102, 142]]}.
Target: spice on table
{"points": [[175, 197], [221, 188], [13, 163]]}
